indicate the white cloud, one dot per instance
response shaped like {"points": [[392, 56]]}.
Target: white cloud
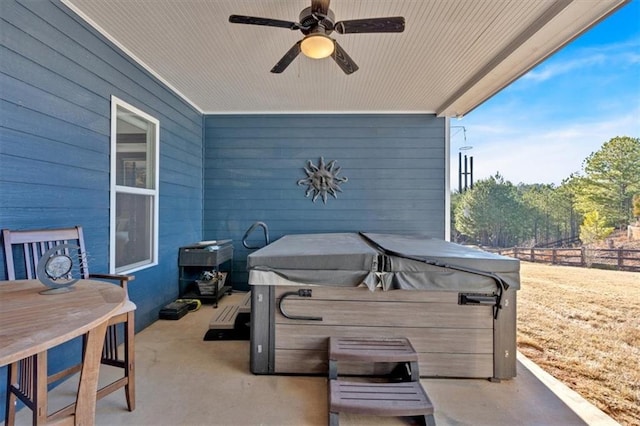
{"points": [[610, 55], [538, 154], [554, 69]]}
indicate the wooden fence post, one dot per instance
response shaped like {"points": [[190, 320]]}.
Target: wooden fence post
{"points": [[620, 258]]}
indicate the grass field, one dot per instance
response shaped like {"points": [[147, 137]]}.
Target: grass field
{"points": [[583, 327]]}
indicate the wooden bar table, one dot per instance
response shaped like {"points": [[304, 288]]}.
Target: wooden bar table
{"points": [[31, 323]]}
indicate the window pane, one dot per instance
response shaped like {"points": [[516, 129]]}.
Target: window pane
{"points": [[135, 138], [133, 229], [134, 192]]}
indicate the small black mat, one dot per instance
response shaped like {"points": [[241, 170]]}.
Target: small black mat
{"points": [[240, 331], [174, 311]]}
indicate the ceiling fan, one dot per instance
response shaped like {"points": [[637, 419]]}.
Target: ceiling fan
{"points": [[317, 23]]}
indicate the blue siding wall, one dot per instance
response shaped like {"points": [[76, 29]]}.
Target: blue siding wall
{"points": [[56, 77], [395, 165]]}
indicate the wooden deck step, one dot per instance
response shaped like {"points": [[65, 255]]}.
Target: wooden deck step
{"points": [[371, 349], [245, 304], [397, 349], [379, 399], [225, 317]]}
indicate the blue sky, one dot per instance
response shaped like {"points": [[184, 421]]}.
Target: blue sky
{"points": [[542, 127]]}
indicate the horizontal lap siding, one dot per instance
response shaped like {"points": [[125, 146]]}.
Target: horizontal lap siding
{"points": [[395, 165], [57, 77]]}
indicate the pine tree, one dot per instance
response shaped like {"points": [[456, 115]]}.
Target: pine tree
{"points": [[612, 177], [594, 228]]}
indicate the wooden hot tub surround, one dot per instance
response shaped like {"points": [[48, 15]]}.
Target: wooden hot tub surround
{"points": [[458, 330]]}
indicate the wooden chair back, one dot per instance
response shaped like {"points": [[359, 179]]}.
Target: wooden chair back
{"points": [[23, 249]]}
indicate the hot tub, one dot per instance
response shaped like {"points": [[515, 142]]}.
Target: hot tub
{"points": [[456, 304]]}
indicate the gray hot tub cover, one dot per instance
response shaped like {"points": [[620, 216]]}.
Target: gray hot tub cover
{"points": [[392, 261], [414, 262], [326, 259]]}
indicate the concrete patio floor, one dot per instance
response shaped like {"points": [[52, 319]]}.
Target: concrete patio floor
{"points": [[183, 380]]}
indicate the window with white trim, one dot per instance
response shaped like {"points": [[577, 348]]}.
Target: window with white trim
{"points": [[134, 188]]}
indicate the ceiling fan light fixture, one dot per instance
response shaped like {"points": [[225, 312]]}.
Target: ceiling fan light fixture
{"points": [[317, 46]]}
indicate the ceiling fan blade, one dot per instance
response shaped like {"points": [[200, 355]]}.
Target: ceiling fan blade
{"points": [[392, 24], [288, 57], [252, 20], [343, 60], [320, 6]]}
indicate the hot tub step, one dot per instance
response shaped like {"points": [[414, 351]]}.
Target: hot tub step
{"points": [[245, 304], [379, 399], [370, 349], [393, 349], [225, 318]]}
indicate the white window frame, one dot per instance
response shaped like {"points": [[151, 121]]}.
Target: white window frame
{"points": [[115, 189]]}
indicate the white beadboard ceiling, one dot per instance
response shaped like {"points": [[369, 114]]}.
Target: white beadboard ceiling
{"points": [[453, 55]]}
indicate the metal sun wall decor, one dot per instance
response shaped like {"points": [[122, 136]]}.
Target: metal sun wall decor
{"points": [[322, 180]]}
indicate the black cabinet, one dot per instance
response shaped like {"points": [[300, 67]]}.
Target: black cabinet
{"points": [[205, 270]]}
